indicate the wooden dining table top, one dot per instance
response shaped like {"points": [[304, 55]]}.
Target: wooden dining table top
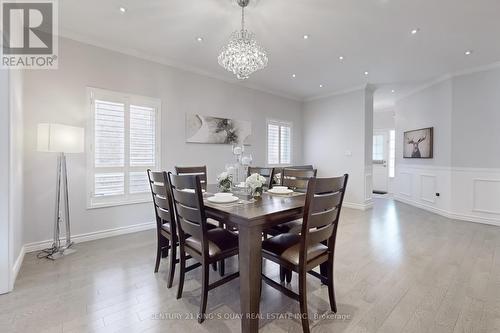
{"points": [[268, 209]]}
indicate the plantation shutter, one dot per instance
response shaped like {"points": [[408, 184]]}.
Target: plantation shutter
{"points": [[279, 137], [124, 144], [273, 145], [109, 151]]}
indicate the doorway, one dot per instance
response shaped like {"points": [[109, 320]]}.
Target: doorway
{"points": [[383, 160]]}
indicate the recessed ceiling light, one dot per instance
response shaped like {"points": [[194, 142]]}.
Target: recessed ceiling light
{"points": [[341, 58], [321, 86], [393, 91], [415, 31], [366, 73], [306, 36], [123, 9], [199, 39], [293, 75], [468, 52]]}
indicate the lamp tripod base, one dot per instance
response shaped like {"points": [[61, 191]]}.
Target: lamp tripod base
{"points": [[62, 252]]}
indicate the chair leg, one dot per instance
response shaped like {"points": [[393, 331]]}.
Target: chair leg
{"points": [[222, 268], [171, 271], [158, 255], [282, 274], [182, 272], [288, 276], [331, 289], [303, 301], [204, 293], [164, 252]]}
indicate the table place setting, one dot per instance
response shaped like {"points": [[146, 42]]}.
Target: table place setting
{"points": [[280, 190]]}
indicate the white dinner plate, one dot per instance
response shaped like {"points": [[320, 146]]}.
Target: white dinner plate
{"points": [[191, 190], [284, 191], [222, 200]]}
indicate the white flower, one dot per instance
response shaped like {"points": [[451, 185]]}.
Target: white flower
{"points": [[223, 176], [255, 181]]}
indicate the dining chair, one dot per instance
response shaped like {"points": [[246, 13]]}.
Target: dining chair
{"points": [[267, 173], [165, 221], [202, 172], [315, 245], [194, 170], [297, 180], [166, 228], [207, 246], [278, 172]]}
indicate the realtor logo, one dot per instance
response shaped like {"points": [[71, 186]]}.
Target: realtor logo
{"points": [[29, 30]]}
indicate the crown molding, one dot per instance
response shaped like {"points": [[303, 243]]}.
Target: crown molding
{"points": [[170, 63], [339, 92], [449, 76]]}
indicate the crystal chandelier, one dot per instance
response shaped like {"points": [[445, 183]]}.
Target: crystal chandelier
{"points": [[242, 55]]}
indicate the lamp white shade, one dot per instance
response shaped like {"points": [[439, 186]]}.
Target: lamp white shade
{"points": [[57, 138]]}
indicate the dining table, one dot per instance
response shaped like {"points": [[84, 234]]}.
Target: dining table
{"points": [[251, 217]]}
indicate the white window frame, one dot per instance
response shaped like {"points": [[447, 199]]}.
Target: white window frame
{"points": [[279, 123], [128, 99]]}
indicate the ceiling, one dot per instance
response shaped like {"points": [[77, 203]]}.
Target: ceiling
{"points": [[372, 35]]}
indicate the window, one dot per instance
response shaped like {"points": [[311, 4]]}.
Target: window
{"points": [[392, 153], [378, 147], [122, 142], [279, 137]]}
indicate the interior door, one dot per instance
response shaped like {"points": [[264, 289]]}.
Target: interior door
{"points": [[380, 154]]}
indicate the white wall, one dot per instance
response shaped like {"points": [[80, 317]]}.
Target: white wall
{"points": [[465, 169], [16, 186], [384, 119], [336, 130], [60, 96], [4, 183], [476, 120]]}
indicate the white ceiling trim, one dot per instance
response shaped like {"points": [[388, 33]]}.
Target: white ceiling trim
{"points": [[449, 76], [336, 93], [170, 63]]}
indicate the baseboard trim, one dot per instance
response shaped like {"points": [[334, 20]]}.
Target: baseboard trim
{"points": [[17, 265], [358, 206], [37, 246], [448, 214]]}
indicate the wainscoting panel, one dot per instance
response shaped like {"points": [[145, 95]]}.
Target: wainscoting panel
{"points": [[428, 188], [486, 196], [469, 194], [368, 187], [405, 183]]}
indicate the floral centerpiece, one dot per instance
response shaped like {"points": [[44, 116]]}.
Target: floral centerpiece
{"points": [[255, 182], [224, 182]]}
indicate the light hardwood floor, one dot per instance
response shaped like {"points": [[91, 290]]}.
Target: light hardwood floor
{"points": [[398, 269]]}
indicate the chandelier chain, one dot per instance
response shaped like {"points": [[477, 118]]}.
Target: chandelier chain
{"points": [[242, 18]]}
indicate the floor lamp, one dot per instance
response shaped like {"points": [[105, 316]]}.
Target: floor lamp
{"points": [[61, 139]]}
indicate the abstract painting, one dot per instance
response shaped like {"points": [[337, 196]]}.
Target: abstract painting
{"points": [[419, 143], [207, 129]]}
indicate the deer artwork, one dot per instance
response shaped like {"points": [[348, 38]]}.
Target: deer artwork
{"points": [[416, 151]]}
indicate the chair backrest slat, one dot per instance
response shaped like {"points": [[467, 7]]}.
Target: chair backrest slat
{"points": [[267, 173], [194, 171], [322, 212], [162, 199], [184, 196], [324, 202], [190, 228], [323, 218], [297, 179], [159, 189], [320, 234]]}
